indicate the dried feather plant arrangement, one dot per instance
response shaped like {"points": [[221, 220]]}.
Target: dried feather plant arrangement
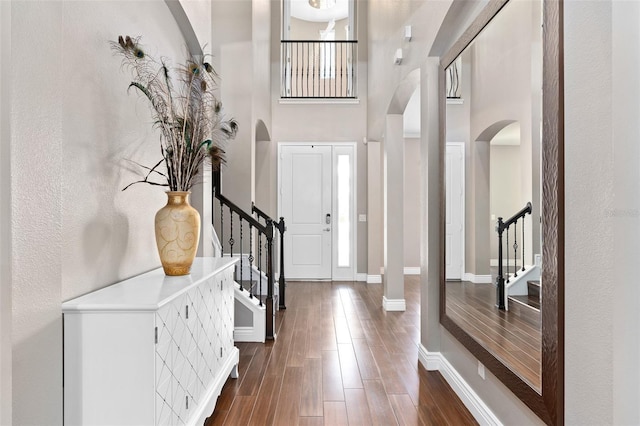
{"points": [[188, 114]]}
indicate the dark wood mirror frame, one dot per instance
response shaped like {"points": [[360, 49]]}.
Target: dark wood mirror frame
{"points": [[549, 405]]}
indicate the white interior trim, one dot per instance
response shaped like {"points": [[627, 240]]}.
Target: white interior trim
{"points": [[255, 333], [412, 270], [477, 279], [351, 150], [436, 361], [462, 146], [360, 277], [408, 270], [374, 279], [393, 305]]}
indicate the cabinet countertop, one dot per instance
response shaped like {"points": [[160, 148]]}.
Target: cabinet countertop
{"points": [[148, 291]]}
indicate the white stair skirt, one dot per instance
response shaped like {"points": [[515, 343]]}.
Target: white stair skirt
{"points": [[517, 286], [250, 318]]}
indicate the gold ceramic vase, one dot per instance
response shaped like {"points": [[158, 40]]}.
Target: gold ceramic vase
{"points": [[177, 233]]}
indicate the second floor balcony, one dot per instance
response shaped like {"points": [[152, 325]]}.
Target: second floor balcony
{"points": [[319, 69]]}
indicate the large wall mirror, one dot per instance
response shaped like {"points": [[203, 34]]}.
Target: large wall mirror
{"points": [[502, 194]]}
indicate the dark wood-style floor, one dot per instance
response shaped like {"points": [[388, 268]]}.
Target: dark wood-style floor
{"points": [[512, 338], [339, 359]]}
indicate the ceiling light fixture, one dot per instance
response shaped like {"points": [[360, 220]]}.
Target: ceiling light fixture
{"points": [[322, 4]]}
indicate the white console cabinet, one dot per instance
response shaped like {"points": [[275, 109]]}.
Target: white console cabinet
{"points": [[150, 350]]}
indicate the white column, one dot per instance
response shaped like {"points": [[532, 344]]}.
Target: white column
{"points": [[430, 206], [393, 299], [375, 226]]}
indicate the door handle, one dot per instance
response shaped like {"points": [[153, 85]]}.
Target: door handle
{"points": [[327, 229]]}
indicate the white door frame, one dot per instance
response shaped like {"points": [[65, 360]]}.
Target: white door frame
{"points": [[336, 273], [462, 146]]}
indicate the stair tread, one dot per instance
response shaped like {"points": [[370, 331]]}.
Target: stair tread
{"points": [[530, 301], [534, 282]]}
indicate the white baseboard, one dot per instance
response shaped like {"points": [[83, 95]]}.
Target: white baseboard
{"points": [[361, 277], [248, 334], [480, 411], [429, 360], [412, 270], [374, 279], [394, 305], [477, 279], [408, 270]]}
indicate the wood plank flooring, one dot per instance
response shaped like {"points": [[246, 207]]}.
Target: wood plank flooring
{"points": [[339, 359], [513, 339]]}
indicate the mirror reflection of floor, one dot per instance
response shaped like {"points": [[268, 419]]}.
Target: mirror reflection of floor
{"points": [[512, 337]]}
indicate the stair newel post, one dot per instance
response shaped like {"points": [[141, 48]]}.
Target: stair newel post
{"points": [[270, 314], [500, 278], [281, 281]]}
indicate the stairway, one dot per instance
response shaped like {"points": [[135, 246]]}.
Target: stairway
{"points": [[528, 306]]}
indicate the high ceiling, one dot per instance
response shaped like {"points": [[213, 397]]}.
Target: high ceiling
{"points": [[301, 9]]}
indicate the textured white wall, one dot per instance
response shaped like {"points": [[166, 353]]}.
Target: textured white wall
{"points": [[36, 123], [5, 214], [592, 292], [72, 127], [387, 19], [412, 188], [375, 206], [504, 189], [625, 49]]}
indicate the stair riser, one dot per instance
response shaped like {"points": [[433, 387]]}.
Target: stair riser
{"points": [[533, 289]]}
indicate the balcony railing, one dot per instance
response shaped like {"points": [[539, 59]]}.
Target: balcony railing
{"points": [[319, 69]]}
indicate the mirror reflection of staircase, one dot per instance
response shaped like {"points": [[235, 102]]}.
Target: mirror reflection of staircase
{"points": [[528, 306]]}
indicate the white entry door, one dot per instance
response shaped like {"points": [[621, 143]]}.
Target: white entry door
{"points": [[454, 214], [305, 200]]}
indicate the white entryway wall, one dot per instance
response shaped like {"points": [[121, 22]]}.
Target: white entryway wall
{"points": [[5, 210]]}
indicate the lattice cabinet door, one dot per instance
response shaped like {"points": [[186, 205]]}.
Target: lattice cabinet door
{"points": [[164, 343]]}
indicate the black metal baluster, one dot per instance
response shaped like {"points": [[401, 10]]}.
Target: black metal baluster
{"points": [[326, 80], [343, 55], [523, 243], [298, 72], [241, 254], [231, 236], [515, 248], [221, 229], [260, 267], [250, 260]]}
